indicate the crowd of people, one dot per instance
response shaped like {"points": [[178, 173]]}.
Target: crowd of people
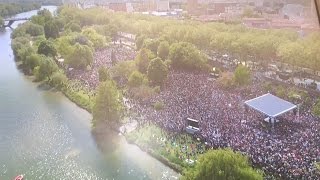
{"points": [[106, 57], [288, 150]]}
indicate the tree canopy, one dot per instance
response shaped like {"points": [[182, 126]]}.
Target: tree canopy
{"points": [[51, 29], [142, 60], [222, 164], [157, 71], [81, 57], [163, 50], [47, 48], [107, 107], [136, 79], [186, 56], [1, 21], [103, 74], [47, 67], [242, 75]]}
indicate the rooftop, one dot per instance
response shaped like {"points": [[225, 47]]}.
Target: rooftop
{"points": [[270, 105]]}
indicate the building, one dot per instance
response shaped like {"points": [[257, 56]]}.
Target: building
{"points": [[256, 23], [162, 5]]}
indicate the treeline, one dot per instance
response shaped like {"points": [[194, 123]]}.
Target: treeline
{"points": [[10, 9], [40, 43]]}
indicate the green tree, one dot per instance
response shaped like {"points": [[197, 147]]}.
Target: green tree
{"points": [[139, 41], [186, 56], [247, 12], [108, 106], [81, 57], [74, 27], [47, 48], [98, 40], [318, 166], [58, 80], [157, 71], [242, 75], [47, 68], [51, 30], [142, 60], [123, 69], [226, 80], [316, 109], [34, 29], [151, 44], [136, 79], [163, 50], [103, 74], [1, 21], [222, 164], [42, 17], [32, 61]]}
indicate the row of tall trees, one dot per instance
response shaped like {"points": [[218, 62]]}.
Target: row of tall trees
{"points": [[10, 9]]}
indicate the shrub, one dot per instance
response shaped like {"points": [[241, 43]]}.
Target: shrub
{"points": [[158, 106]]}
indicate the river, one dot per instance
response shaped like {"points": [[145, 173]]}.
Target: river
{"points": [[45, 136]]}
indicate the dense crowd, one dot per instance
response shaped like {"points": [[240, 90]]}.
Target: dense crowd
{"points": [[102, 58], [288, 150]]}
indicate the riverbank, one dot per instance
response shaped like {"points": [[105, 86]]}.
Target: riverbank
{"points": [[179, 151]]}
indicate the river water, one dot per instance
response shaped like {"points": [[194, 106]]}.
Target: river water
{"points": [[45, 136]]}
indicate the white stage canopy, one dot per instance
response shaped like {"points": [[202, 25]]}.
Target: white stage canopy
{"points": [[270, 105]]}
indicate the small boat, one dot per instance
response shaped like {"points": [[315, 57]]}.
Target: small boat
{"points": [[20, 177]]}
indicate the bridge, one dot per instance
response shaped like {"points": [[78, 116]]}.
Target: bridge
{"points": [[12, 20]]}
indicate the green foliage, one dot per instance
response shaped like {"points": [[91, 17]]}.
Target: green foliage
{"points": [[108, 104], [157, 71], [317, 165], [51, 29], [151, 44], [47, 48], [27, 28], [34, 29], [98, 40], [81, 57], [249, 13], [242, 75], [281, 91], [47, 68], [142, 92], [10, 9], [226, 80], [163, 50], [123, 69], [103, 74], [186, 56], [316, 108], [222, 164], [142, 60], [139, 41], [58, 80], [243, 43], [21, 48], [32, 61], [42, 17], [65, 45], [136, 79], [1, 21], [74, 27], [158, 106]]}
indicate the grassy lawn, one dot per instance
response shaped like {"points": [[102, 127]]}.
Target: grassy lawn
{"points": [[181, 150]]}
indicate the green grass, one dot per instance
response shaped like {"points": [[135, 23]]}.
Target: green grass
{"points": [[81, 98], [171, 151]]}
